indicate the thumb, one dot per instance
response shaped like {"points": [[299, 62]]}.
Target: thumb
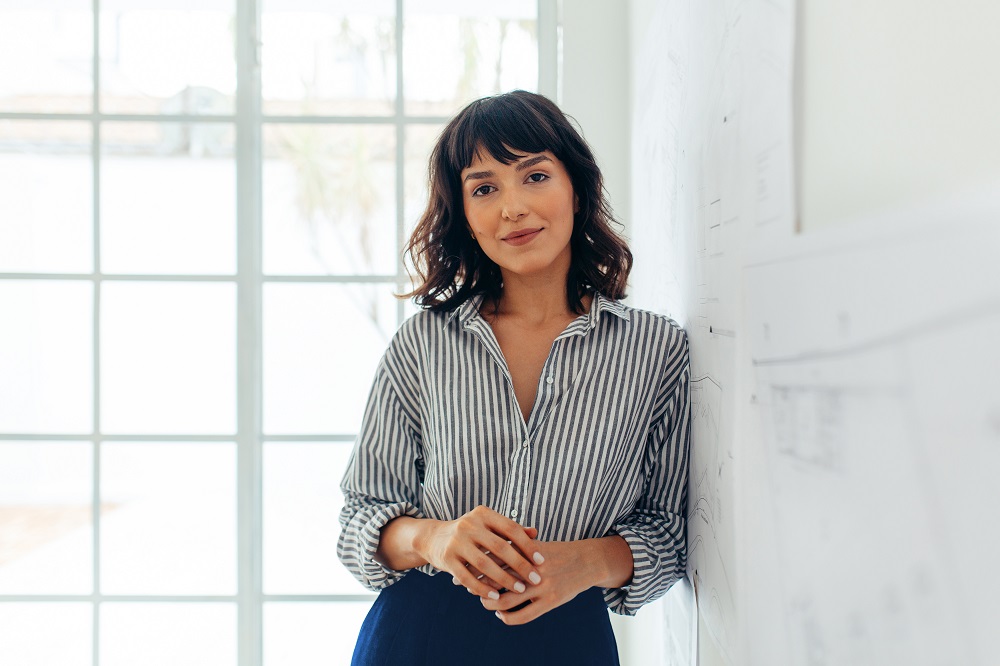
{"points": [[531, 532]]}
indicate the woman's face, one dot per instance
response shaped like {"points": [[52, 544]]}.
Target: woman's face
{"points": [[521, 213]]}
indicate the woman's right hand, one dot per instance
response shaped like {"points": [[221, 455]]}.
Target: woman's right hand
{"points": [[482, 542]]}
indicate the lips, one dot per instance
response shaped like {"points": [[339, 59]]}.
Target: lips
{"points": [[521, 236]]}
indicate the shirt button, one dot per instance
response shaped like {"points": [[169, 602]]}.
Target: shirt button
{"points": [[513, 513], [525, 443], [549, 379]]}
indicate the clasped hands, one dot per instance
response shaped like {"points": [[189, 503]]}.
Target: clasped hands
{"points": [[500, 561]]}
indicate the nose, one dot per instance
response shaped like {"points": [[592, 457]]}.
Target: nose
{"points": [[513, 207]]}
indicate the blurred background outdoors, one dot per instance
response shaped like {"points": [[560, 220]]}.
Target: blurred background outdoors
{"points": [[195, 289]]}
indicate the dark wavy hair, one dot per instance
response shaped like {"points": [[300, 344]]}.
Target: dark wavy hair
{"points": [[450, 266]]}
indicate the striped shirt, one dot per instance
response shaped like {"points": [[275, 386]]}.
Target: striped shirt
{"points": [[605, 450]]}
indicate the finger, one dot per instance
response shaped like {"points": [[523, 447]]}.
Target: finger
{"points": [[506, 567], [484, 578], [484, 563], [482, 590], [531, 533], [492, 583], [462, 576], [518, 538], [506, 558], [507, 601], [524, 615], [525, 570]]}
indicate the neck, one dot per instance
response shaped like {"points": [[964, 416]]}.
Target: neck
{"points": [[535, 299]]}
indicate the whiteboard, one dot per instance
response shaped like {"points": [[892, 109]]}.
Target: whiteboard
{"points": [[877, 390], [846, 383], [711, 175]]}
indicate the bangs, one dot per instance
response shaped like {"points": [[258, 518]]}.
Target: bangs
{"points": [[502, 125]]}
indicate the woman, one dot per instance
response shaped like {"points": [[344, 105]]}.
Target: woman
{"points": [[526, 435]]}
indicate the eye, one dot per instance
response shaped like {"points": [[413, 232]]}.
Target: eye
{"points": [[538, 177], [482, 190]]}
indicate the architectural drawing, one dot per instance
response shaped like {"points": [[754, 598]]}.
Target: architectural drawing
{"points": [[878, 425]]}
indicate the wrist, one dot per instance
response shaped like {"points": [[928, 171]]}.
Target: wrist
{"points": [[612, 567], [403, 542], [421, 537]]}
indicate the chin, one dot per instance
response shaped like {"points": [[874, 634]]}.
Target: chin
{"points": [[531, 269]]}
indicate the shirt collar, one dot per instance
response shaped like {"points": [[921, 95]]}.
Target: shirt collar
{"points": [[466, 311], [470, 309], [603, 304]]}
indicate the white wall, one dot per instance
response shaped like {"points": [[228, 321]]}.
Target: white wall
{"points": [[594, 87], [900, 99]]}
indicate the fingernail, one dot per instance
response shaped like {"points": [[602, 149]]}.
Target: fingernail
{"points": [[534, 578], [519, 586], [499, 616], [493, 595], [455, 581], [537, 557]]}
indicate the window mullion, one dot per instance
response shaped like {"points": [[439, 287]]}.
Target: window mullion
{"points": [[548, 48], [248, 332], [95, 156], [400, 157]]}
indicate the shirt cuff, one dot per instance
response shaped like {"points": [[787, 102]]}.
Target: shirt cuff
{"points": [[374, 574], [649, 580]]}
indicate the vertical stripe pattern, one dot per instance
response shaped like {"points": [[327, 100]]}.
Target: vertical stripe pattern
{"points": [[605, 450]]}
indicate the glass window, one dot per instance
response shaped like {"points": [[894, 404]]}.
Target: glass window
{"points": [[168, 198], [46, 356], [167, 634], [196, 288], [46, 518], [40, 232], [170, 525], [43, 634], [163, 57]]}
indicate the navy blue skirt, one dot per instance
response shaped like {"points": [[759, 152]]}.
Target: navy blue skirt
{"points": [[423, 619]]}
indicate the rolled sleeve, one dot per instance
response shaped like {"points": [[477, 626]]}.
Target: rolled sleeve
{"points": [[656, 528], [362, 520], [382, 481]]}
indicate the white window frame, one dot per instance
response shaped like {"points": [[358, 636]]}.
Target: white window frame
{"points": [[248, 121]]}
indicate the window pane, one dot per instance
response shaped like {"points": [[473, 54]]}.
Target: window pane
{"points": [[167, 634], [420, 140], [312, 634], [43, 634], [172, 527], [409, 307], [328, 58], [302, 502], [156, 58], [52, 44], [168, 198], [322, 344], [168, 358], [329, 199], [456, 52], [46, 530], [46, 357], [41, 232]]}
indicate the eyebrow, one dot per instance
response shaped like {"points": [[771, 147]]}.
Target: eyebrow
{"points": [[520, 166], [527, 164]]}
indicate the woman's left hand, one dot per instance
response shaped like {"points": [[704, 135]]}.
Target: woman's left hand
{"points": [[570, 567]]}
